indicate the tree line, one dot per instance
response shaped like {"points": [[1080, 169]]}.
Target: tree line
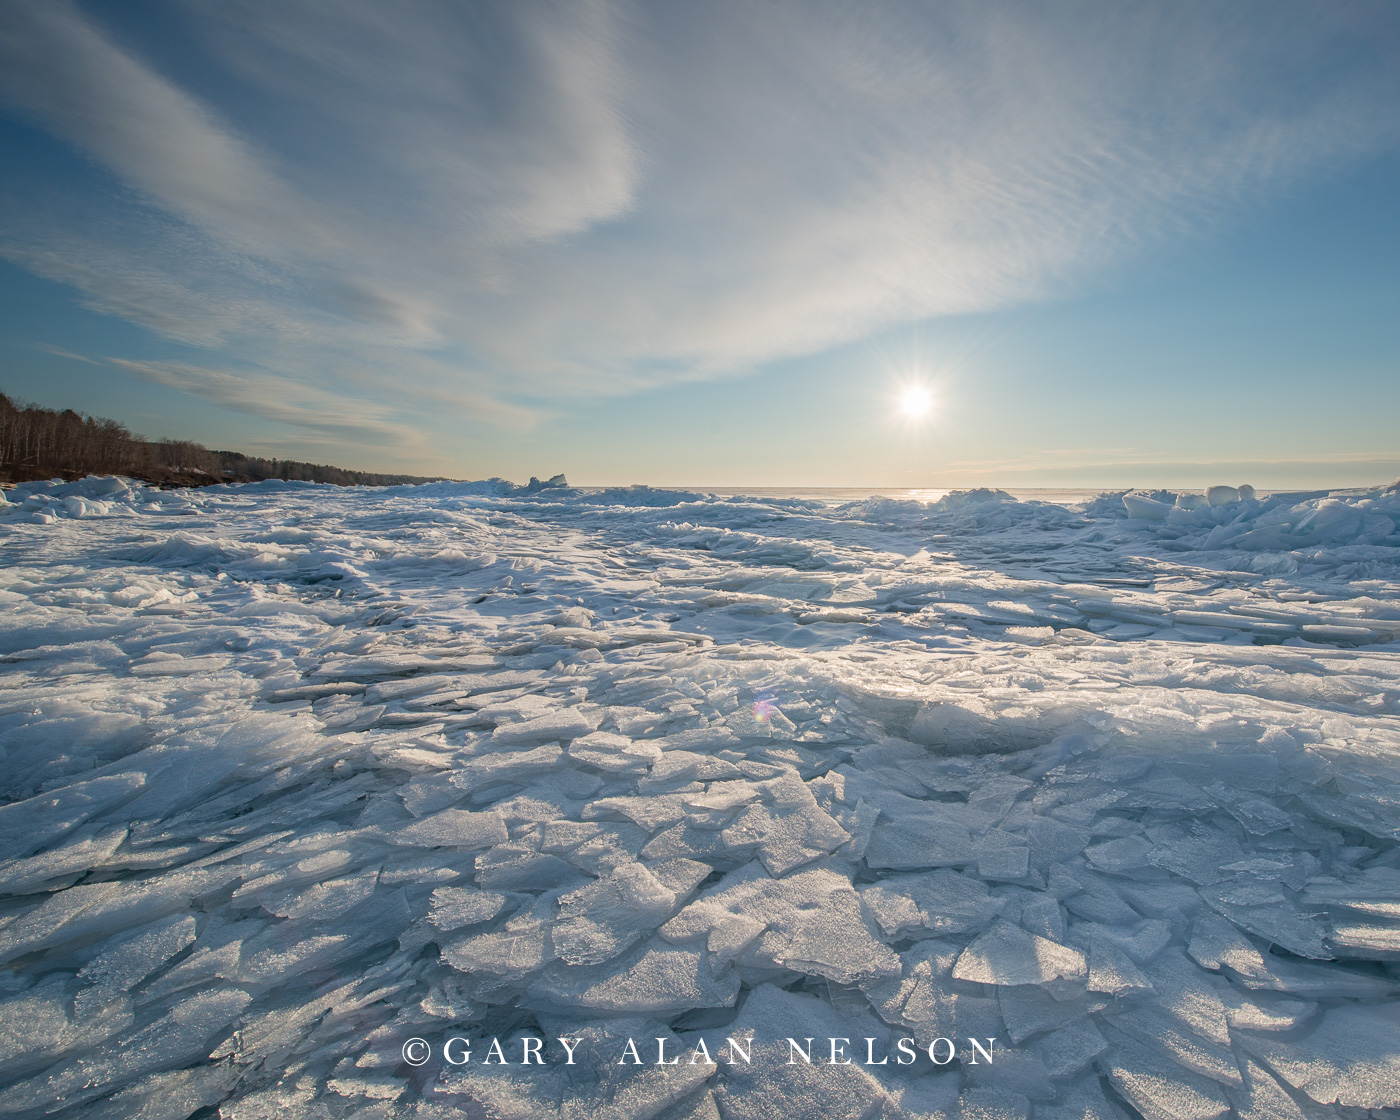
{"points": [[40, 443]]}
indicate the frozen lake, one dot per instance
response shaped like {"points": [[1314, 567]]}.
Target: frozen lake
{"points": [[294, 775]]}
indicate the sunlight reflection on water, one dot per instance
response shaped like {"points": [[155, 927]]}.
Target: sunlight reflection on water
{"points": [[838, 494]]}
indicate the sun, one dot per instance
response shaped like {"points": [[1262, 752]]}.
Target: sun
{"points": [[915, 402]]}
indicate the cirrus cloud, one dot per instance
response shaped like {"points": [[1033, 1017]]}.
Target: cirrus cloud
{"points": [[500, 204]]}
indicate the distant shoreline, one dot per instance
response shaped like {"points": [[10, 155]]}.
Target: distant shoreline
{"points": [[37, 444]]}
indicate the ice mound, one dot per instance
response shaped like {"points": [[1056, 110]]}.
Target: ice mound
{"points": [[293, 775], [41, 503], [645, 496]]}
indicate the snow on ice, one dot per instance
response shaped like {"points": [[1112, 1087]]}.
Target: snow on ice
{"points": [[294, 774]]}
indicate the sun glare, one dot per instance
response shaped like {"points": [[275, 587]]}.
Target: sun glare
{"points": [[915, 402]]}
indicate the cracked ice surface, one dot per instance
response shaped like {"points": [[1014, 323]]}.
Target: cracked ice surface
{"points": [[292, 774]]}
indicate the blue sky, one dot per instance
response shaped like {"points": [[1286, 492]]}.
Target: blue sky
{"points": [[710, 244]]}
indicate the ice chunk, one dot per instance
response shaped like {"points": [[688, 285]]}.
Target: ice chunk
{"points": [[1190, 995], [1197, 857], [1277, 919], [1140, 939], [988, 1103], [721, 797], [1015, 1071], [912, 835], [321, 901], [1027, 1010], [602, 919], [563, 725], [1263, 1098], [1044, 917], [1215, 943], [1156, 1086], [456, 907], [102, 908], [1112, 971], [922, 998], [677, 768], [519, 867], [1370, 938], [1009, 863], [1189, 1050], [1070, 1048], [167, 1096], [506, 766], [789, 831], [1349, 1057], [1099, 903], [1265, 1011], [688, 839], [1120, 856], [1053, 841], [178, 1038], [1084, 1100], [1161, 900], [83, 850], [280, 952], [121, 968], [1145, 508], [35, 1027], [597, 1085], [655, 978], [1316, 981], [771, 1086], [813, 923], [1008, 954], [518, 948], [26, 826], [941, 901], [1259, 817], [614, 753], [453, 828], [1374, 891]]}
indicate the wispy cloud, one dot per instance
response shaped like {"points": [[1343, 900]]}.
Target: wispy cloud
{"points": [[59, 352], [85, 88], [277, 399], [498, 204]]}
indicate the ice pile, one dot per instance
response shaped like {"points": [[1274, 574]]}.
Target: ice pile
{"points": [[295, 774], [41, 503]]}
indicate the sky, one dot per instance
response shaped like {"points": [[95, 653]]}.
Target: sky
{"points": [[716, 244]]}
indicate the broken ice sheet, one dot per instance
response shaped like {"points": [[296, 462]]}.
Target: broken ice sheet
{"points": [[320, 901], [614, 753], [598, 1085], [811, 922], [1155, 1085], [1028, 1009], [130, 960], [1348, 1057], [1186, 1047], [1007, 954], [1215, 943], [602, 919], [1070, 1048], [941, 901], [455, 907], [594, 822], [771, 1085], [655, 978]]}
